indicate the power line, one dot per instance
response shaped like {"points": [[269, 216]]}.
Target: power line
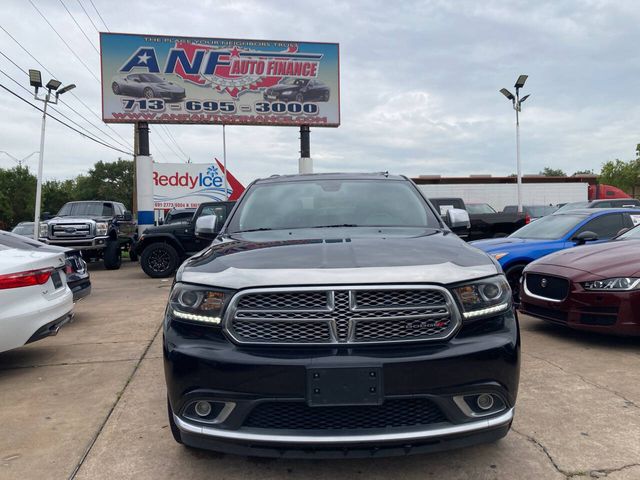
{"points": [[90, 19], [158, 150], [80, 28], [64, 103], [170, 135], [63, 123], [51, 106], [54, 76], [94, 7], [167, 144], [65, 42]]}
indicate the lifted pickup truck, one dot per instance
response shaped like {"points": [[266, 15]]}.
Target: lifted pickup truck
{"points": [[99, 229], [484, 225], [338, 315], [161, 249]]}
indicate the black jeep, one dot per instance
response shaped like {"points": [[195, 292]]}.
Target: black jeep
{"points": [[163, 248]]}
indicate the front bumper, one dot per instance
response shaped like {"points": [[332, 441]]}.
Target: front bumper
{"points": [[202, 364], [593, 311], [95, 243]]}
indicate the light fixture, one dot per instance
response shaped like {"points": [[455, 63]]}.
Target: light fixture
{"points": [[53, 84], [71, 86], [35, 78], [507, 94], [520, 81]]}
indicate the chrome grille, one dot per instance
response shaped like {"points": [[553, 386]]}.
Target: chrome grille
{"points": [[71, 230], [342, 315]]}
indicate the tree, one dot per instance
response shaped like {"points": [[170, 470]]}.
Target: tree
{"points": [[18, 186], [107, 181], [553, 172], [585, 172], [621, 174], [56, 193]]}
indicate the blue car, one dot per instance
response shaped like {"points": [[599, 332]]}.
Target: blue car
{"points": [[555, 232]]}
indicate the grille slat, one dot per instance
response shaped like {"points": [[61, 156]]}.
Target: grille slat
{"points": [[392, 413], [71, 230], [341, 315]]}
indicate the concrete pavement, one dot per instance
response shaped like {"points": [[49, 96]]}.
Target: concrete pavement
{"points": [[90, 404]]}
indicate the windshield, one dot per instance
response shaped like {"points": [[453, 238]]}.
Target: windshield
{"points": [[147, 77], [551, 227], [91, 209], [572, 206], [479, 208], [23, 229], [332, 203], [294, 81], [540, 210], [633, 233]]}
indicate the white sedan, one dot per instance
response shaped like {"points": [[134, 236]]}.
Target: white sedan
{"points": [[34, 297]]}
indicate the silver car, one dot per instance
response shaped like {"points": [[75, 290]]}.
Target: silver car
{"points": [[147, 85]]}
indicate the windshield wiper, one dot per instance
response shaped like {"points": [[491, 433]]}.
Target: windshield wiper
{"points": [[262, 229], [336, 226]]}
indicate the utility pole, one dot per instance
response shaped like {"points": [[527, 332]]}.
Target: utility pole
{"points": [[305, 163], [144, 178], [517, 106], [35, 80]]}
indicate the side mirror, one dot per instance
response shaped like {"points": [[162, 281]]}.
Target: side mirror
{"points": [[458, 221], [206, 227], [584, 237], [127, 217]]}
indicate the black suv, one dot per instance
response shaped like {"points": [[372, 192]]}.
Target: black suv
{"points": [[338, 315]]}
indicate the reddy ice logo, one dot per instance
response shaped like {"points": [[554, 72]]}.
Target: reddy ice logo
{"points": [[209, 179], [234, 70]]}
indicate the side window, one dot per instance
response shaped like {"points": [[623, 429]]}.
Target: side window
{"points": [[218, 211], [510, 209], [609, 193], [107, 209], [605, 226]]}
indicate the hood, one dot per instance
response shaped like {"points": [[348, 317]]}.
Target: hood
{"points": [[168, 86], [507, 244], [166, 228], [610, 259], [338, 256], [82, 219], [282, 88]]}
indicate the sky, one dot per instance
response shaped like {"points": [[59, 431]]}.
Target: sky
{"points": [[419, 80]]}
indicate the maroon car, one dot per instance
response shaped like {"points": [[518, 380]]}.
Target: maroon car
{"points": [[592, 287]]}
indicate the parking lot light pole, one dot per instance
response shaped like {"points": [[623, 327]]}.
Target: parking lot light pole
{"points": [[517, 106], [51, 96]]}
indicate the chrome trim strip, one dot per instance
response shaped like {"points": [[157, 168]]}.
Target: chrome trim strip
{"points": [[450, 305], [341, 439], [533, 295]]}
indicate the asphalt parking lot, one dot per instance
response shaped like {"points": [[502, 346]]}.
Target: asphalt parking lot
{"points": [[90, 404]]}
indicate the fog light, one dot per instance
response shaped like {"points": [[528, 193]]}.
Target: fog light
{"points": [[203, 409], [484, 401]]}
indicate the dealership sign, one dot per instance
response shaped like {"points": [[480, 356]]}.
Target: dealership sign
{"points": [[161, 79], [187, 185]]}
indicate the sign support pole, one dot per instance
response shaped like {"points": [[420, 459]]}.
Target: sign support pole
{"points": [[224, 161], [305, 163], [144, 179]]}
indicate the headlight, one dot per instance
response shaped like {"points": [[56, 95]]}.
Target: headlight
{"points": [[484, 297], [101, 228], [197, 304], [287, 92], [498, 256], [619, 284], [43, 230]]}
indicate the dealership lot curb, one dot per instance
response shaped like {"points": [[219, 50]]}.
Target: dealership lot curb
{"points": [[90, 404]]}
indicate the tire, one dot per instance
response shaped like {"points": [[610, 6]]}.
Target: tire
{"points": [[299, 98], [175, 431], [148, 93], [112, 257], [513, 275], [133, 256], [159, 260], [116, 88]]}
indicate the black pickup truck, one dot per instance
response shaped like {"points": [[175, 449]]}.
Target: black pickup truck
{"points": [[161, 249], [488, 224]]}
